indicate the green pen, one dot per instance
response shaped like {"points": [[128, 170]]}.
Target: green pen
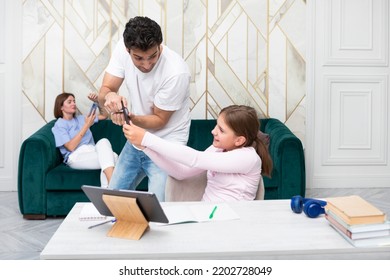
{"points": [[212, 212]]}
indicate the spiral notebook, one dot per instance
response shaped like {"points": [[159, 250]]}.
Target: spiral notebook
{"points": [[90, 213]]}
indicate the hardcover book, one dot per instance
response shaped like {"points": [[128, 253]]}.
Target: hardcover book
{"points": [[355, 210], [365, 242], [356, 235], [360, 227]]}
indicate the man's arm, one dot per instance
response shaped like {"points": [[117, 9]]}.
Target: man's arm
{"points": [[156, 121], [108, 94]]}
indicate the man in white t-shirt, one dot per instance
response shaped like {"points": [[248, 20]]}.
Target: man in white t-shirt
{"points": [[157, 80]]}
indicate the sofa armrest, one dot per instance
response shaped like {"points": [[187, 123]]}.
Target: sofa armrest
{"points": [[37, 156], [288, 158]]}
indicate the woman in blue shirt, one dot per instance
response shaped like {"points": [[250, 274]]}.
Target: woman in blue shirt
{"points": [[75, 141]]}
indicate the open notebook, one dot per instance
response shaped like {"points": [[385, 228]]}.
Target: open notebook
{"points": [[195, 213], [90, 213]]}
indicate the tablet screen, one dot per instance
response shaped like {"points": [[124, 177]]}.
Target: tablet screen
{"points": [[147, 202]]}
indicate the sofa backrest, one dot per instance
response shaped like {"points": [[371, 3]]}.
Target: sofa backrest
{"points": [[200, 137]]}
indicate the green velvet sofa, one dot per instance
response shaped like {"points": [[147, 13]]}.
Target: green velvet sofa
{"points": [[47, 187]]}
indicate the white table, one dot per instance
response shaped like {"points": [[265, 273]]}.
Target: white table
{"points": [[266, 230]]}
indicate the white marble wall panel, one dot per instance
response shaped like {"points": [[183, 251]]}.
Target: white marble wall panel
{"points": [[81, 20], [222, 26], [297, 121], [155, 10], [231, 84], [34, 76], [36, 21], [198, 110], [238, 48], [260, 102], [252, 37], [98, 65], [262, 66], [257, 11], [77, 84], [31, 118], [276, 6], [295, 79], [173, 32], [54, 64], [197, 64], [76, 47], [194, 26], [294, 26], [218, 93], [213, 12], [277, 75], [278, 9]]}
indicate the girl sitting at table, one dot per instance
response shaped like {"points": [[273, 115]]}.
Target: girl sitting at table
{"points": [[235, 161]]}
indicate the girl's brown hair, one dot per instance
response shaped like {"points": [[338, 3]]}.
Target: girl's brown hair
{"points": [[243, 120], [59, 102]]}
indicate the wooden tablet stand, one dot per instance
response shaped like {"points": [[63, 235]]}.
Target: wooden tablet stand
{"points": [[130, 222]]}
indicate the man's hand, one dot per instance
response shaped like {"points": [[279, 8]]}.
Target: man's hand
{"points": [[113, 106]]}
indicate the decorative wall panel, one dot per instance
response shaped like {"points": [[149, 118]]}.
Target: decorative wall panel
{"points": [[345, 46], [2, 119], [357, 123], [239, 51], [2, 31]]}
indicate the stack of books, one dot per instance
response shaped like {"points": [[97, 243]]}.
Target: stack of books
{"points": [[358, 221]]}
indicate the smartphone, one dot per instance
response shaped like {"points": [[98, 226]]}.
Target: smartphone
{"points": [[93, 108], [125, 113]]}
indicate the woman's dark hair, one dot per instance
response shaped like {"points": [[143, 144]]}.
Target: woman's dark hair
{"points": [[59, 102], [243, 120], [142, 33]]}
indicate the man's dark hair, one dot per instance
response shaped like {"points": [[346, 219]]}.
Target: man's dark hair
{"points": [[142, 33]]}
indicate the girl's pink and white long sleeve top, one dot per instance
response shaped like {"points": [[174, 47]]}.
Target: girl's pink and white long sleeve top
{"points": [[232, 175]]}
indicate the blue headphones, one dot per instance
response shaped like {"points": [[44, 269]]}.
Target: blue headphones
{"points": [[311, 207]]}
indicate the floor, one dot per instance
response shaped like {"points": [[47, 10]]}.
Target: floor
{"points": [[24, 239]]}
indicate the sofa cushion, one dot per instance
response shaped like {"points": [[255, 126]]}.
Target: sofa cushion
{"points": [[62, 178]]}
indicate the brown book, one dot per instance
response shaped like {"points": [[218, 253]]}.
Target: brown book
{"points": [[355, 210]]}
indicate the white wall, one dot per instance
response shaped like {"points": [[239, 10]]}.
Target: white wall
{"points": [[10, 92], [348, 90]]}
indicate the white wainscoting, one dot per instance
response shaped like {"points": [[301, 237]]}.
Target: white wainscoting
{"points": [[348, 93], [355, 108], [356, 32], [10, 93]]}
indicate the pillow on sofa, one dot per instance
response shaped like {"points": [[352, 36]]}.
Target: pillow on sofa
{"points": [[264, 138]]}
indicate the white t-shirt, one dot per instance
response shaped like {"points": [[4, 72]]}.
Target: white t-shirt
{"points": [[166, 86]]}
